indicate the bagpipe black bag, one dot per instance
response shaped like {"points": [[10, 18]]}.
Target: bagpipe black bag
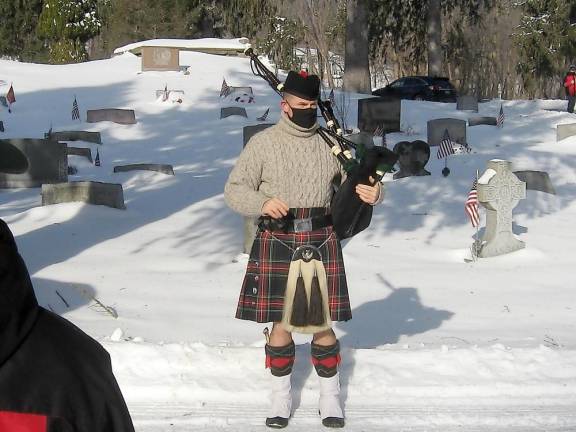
{"points": [[351, 215]]}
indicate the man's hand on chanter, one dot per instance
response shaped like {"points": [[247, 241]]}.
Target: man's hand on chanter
{"points": [[275, 208], [369, 194]]}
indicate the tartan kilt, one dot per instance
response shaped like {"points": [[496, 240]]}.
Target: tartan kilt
{"points": [[264, 285]]}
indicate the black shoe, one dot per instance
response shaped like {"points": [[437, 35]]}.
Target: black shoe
{"points": [[333, 422], [277, 422]]}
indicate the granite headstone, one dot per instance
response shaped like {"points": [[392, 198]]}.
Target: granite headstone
{"points": [[93, 137], [467, 103], [120, 116], [80, 151], [479, 121], [379, 112], [499, 191], [437, 127], [97, 193], [47, 163], [412, 158], [161, 168], [231, 111], [564, 131]]}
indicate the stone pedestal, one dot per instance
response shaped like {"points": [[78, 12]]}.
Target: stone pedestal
{"points": [[499, 191]]}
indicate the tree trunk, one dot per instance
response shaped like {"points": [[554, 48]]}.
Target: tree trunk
{"points": [[356, 63], [434, 31]]}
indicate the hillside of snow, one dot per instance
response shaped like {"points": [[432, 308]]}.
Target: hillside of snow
{"points": [[437, 342]]}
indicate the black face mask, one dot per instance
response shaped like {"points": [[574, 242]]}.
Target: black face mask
{"points": [[305, 118]]}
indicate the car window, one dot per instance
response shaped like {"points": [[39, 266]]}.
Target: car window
{"points": [[413, 82], [398, 83], [443, 84]]}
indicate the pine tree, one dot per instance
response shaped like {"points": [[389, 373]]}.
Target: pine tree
{"points": [[67, 25], [17, 32], [545, 39]]}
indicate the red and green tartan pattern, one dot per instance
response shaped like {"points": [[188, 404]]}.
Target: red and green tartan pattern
{"points": [[264, 286]]}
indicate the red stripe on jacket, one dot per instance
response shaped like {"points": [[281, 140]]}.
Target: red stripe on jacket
{"points": [[20, 422]]}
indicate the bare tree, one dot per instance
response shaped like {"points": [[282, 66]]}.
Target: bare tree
{"points": [[356, 60]]}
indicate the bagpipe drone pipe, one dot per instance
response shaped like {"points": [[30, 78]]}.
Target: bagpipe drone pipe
{"points": [[350, 215]]}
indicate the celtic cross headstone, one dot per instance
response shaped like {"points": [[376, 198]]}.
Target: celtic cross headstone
{"points": [[499, 191]]}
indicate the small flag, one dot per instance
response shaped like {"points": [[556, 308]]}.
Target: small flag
{"points": [[75, 110], [445, 148], [379, 131], [500, 119], [471, 206], [165, 94], [226, 89], [10, 98], [97, 160], [264, 116]]}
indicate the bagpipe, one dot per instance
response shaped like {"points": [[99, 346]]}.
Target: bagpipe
{"points": [[350, 215]]}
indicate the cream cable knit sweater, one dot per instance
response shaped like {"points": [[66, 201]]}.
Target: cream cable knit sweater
{"points": [[286, 162]]}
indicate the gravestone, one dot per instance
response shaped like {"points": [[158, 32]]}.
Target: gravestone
{"points": [[499, 191], [249, 131], [172, 94], [250, 223], [97, 193], [479, 121], [364, 138], [80, 151], [160, 59], [161, 168], [93, 137], [47, 163], [412, 158], [467, 103], [230, 111], [379, 112], [12, 160], [456, 129], [564, 131], [245, 90], [536, 180], [120, 116]]}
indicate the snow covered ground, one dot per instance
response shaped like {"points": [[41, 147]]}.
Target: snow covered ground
{"points": [[437, 343]]}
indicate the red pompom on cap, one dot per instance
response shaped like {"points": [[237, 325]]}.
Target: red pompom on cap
{"points": [[303, 73]]}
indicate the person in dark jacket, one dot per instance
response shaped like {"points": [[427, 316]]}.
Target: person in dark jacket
{"points": [[570, 86], [53, 377]]}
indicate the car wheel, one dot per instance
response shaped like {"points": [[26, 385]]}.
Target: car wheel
{"points": [[418, 97]]}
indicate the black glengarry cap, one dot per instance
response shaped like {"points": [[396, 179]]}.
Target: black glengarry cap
{"points": [[302, 85]]}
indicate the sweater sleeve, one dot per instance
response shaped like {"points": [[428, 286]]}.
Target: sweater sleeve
{"points": [[241, 191]]}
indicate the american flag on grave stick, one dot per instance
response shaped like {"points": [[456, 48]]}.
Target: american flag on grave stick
{"points": [[471, 206], [10, 98], [379, 131], [75, 110], [225, 89], [500, 119], [264, 116], [445, 148]]}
